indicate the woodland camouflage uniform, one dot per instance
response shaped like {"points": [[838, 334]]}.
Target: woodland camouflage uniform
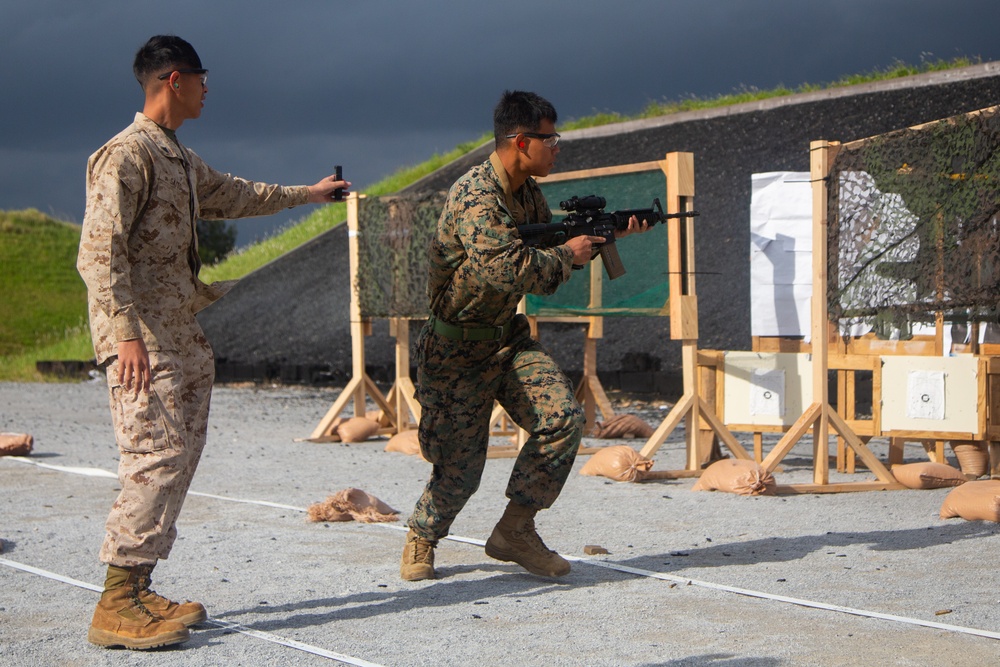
{"points": [[479, 271], [139, 258]]}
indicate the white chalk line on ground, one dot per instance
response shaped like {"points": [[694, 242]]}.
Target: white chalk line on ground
{"points": [[226, 625], [610, 565]]}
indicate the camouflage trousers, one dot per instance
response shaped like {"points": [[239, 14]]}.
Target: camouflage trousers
{"points": [[160, 438], [457, 382]]}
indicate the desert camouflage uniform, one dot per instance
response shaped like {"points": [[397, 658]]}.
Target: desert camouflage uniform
{"points": [[139, 258], [479, 271]]}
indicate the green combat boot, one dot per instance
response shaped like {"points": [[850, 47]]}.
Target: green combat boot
{"points": [[188, 613], [418, 558], [514, 540], [121, 619]]}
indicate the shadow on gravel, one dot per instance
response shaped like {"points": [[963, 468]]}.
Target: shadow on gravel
{"points": [[717, 659], [509, 582], [783, 549]]}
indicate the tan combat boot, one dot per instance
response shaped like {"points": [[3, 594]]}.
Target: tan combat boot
{"points": [[121, 619], [418, 558], [514, 540], [188, 613]]}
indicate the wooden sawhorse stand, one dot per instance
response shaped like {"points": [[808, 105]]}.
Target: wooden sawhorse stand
{"points": [[820, 416], [400, 402]]}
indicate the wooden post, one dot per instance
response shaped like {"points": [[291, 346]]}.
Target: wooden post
{"points": [[401, 396], [590, 393]]}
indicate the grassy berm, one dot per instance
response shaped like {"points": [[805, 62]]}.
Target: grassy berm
{"points": [[44, 301]]}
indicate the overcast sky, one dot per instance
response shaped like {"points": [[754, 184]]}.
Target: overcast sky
{"points": [[299, 86]]}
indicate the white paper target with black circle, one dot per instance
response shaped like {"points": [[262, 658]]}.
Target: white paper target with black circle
{"points": [[767, 392], [925, 398]]}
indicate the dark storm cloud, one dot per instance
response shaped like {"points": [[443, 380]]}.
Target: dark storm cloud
{"points": [[375, 85]]}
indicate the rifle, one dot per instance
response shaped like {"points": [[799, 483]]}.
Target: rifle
{"points": [[586, 216]]}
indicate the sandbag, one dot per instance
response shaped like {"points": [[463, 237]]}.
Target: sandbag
{"points": [[973, 501], [15, 444], [622, 426], [352, 504], [405, 442], [739, 476], [357, 429], [928, 475], [973, 456], [618, 462]]}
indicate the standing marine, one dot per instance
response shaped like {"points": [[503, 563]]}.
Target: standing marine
{"points": [[139, 258]]}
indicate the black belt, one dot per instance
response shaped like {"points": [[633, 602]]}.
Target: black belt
{"points": [[468, 333]]}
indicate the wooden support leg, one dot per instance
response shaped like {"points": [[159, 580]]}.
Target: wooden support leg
{"points": [[896, 446], [792, 436], [666, 427], [841, 404]]}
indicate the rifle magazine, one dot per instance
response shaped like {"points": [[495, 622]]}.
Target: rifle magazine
{"points": [[612, 261]]}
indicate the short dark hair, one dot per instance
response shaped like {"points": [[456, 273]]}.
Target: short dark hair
{"points": [[520, 110], [160, 53]]}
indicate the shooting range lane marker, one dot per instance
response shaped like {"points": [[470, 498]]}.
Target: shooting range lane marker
{"points": [[98, 472], [790, 600], [225, 625], [95, 472]]}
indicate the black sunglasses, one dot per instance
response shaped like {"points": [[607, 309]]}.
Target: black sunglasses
{"points": [[550, 139]]}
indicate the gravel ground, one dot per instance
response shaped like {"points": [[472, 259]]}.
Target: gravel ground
{"points": [[672, 591]]}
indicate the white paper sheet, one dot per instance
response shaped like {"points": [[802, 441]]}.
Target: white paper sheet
{"points": [[925, 395], [780, 253]]}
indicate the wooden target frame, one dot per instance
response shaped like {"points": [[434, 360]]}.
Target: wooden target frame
{"points": [[833, 352]]}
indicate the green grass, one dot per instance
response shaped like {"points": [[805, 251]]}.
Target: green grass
{"points": [[896, 70], [73, 346], [43, 296], [43, 300]]}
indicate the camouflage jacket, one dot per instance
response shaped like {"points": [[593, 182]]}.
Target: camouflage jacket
{"points": [[139, 248], [479, 267]]}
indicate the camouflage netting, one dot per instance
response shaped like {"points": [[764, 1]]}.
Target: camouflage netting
{"points": [[394, 233], [913, 225], [393, 236]]}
